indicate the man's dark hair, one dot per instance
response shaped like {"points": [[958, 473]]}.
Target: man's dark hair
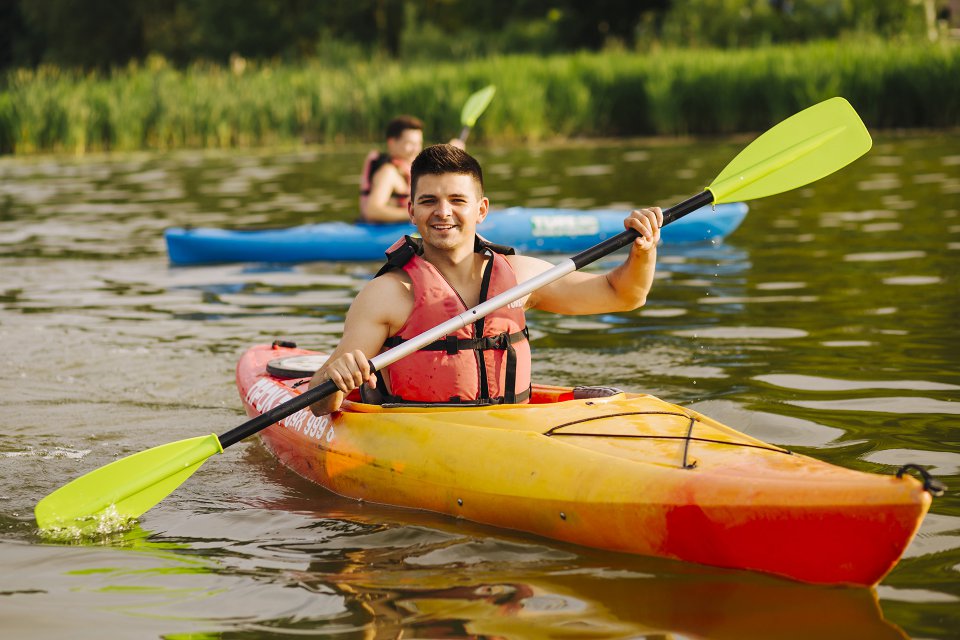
{"points": [[398, 125], [444, 158]]}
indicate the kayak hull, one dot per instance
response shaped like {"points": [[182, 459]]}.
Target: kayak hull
{"points": [[525, 229], [627, 473]]}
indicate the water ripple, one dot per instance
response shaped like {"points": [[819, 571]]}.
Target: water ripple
{"points": [[476, 552], [742, 333], [901, 404], [770, 427], [915, 595], [817, 383], [913, 280], [881, 256], [944, 463], [590, 170], [756, 299], [938, 534]]}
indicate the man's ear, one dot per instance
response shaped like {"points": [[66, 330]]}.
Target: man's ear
{"points": [[484, 209], [410, 208]]}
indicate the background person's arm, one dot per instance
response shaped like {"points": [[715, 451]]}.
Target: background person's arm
{"points": [[385, 182]]}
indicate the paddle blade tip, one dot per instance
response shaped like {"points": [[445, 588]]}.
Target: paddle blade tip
{"points": [[55, 525], [805, 147], [126, 488], [859, 136]]}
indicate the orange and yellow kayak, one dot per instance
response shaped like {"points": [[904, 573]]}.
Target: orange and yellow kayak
{"points": [[624, 472]]}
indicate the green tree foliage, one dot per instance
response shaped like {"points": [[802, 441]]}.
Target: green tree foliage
{"points": [[101, 34], [736, 23], [79, 33], [187, 30]]}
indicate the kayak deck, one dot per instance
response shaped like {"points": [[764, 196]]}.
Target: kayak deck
{"points": [[628, 472]]}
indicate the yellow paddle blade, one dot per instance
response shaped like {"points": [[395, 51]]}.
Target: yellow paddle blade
{"points": [[126, 488], [801, 149], [476, 104]]}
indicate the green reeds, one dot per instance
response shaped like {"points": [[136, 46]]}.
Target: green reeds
{"points": [[666, 92]]}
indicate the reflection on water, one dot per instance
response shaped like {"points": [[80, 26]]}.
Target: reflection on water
{"points": [[381, 576], [827, 324]]}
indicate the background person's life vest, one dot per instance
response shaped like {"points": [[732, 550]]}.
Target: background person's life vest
{"points": [[487, 362], [374, 160]]}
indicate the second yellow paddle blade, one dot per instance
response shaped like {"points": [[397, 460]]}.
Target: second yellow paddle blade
{"points": [[801, 149], [476, 104]]}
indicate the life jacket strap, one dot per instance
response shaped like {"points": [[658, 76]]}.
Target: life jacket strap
{"points": [[389, 400], [453, 344], [413, 245], [375, 165]]}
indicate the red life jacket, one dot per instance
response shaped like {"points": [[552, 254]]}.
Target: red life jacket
{"points": [[461, 368], [375, 159]]}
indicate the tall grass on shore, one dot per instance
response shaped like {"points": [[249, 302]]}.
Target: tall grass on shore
{"points": [[667, 92]]}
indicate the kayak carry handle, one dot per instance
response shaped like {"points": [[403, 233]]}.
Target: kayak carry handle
{"points": [[930, 484]]}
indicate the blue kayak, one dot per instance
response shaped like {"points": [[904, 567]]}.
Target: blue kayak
{"points": [[528, 230]]}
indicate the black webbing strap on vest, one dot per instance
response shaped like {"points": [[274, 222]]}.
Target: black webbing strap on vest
{"points": [[375, 165], [478, 331], [452, 344], [413, 246], [401, 255]]}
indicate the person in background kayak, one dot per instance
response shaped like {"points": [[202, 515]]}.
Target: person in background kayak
{"points": [[385, 181], [450, 269]]}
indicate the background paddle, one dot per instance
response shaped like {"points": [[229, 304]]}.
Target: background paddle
{"points": [[473, 108], [805, 147]]}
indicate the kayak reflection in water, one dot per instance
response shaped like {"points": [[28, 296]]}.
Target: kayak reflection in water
{"points": [[450, 269], [629, 598]]}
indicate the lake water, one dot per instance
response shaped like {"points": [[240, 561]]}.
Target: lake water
{"points": [[828, 323]]}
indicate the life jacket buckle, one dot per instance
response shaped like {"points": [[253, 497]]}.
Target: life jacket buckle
{"points": [[453, 345]]}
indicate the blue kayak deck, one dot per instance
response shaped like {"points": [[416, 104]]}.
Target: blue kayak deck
{"points": [[528, 230]]}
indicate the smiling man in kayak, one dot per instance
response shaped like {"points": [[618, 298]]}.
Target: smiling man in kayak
{"points": [[385, 181], [448, 270]]}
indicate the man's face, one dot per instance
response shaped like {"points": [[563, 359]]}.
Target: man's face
{"points": [[407, 145], [447, 208]]}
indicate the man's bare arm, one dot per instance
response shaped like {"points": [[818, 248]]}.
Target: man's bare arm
{"points": [[378, 311], [623, 289]]}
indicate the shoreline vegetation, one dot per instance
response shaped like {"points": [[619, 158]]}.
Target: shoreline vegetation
{"points": [[669, 92]]}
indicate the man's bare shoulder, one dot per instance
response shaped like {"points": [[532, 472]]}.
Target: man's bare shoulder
{"points": [[387, 298], [527, 267], [387, 171], [392, 284]]}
